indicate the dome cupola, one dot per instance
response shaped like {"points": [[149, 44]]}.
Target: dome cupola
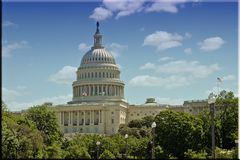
{"points": [[98, 76]]}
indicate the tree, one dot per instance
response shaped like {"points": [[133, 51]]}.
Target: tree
{"points": [[178, 131], [226, 122], [46, 122], [107, 155], [20, 137], [76, 151], [228, 118]]}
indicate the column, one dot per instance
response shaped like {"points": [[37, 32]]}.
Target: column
{"points": [[91, 120], [74, 92], [102, 89], [63, 117], [93, 89], [115, 90], [80, 91], [89, 90], [93, 116], [79, 94], [68, 118], [77, 118], [97, 89], [84, 117], [60, 118], [106, 90], [99, 116]]}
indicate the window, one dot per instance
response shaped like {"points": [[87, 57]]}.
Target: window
{"points": [[99, 74], [112, 120], [92, 74], [95, 74], [137, 114], [112, 112], [107, 74], [88, 75], [103, 74]]}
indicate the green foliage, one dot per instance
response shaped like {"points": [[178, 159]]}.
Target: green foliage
{"points": [[178, 131], [159, 153], [226, 154], [226, 122], [138, 128], [46, 122], [107, 155], [20, 138], [228, 119], [195, 155], [75, 151]]}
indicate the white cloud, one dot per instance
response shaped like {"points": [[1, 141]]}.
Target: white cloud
{"points": [[18, 106], [211, 44], [167, 82], [193, 68], [188, 50], [164, 6], [83, 47], [8, 24], [174, 74], [9, 49], [165, 59], [228, 78], [163, 40], [127, 7], [116, 49], [170, 101], [123, 8], [148, 66], [9, 95], [216, 90], [100, 14], [64, 76]]}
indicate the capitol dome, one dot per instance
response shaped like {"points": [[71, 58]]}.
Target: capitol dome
{"points": [[98, 76], [97, 56]]}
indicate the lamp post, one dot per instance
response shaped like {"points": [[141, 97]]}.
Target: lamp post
{"points": [[126, 147], [211, 102], [98, 143], [153, 137]]}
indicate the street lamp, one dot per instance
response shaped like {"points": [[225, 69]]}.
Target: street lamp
{"points": [[211, 102], [126, 138], [153, 137], [98, 143]]}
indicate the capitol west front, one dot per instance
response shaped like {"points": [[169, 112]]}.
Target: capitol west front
{"points": [[98, 105]]}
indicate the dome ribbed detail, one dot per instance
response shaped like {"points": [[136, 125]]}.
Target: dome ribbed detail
{"points": [[96, 56]]}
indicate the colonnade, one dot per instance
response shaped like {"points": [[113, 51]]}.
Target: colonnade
{"points": [[77, 118], [96, 90]]}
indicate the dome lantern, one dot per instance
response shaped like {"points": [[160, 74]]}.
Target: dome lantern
{"points": [[97, 38]]}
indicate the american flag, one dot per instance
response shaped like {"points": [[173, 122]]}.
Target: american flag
{"points": [[219, 79], [84, 94]]}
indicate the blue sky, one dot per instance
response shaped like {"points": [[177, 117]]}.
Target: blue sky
{"points": [[171, 51]]}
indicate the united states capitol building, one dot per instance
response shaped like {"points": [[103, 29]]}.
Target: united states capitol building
{"points": [[98, 105]]}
